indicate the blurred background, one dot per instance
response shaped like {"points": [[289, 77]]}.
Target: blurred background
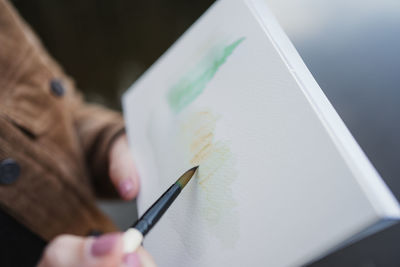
{"points": [[350, 46]]}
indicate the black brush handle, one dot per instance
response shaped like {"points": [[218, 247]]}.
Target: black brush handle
{"points": [[154, 213]]}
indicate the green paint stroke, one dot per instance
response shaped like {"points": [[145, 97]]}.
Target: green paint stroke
{"points": [[194, 82]]}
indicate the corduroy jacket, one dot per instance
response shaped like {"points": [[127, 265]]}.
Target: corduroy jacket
{"points": [[53, 145]]}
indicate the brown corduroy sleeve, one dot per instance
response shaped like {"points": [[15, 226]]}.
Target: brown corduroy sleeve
{"points": [[97, 128]]}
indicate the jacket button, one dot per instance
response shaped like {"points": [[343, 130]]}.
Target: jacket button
{"points": [[94, 232], [9, 171], [57, 88]]}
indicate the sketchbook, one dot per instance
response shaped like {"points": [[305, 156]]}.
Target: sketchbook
{"points": [[281, 180]]}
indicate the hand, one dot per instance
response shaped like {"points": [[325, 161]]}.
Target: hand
{"points": [[104, 251], [122, 169]]}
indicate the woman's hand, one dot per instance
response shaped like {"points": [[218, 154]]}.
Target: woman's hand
{"points": [[104, 251], [122, 169]]}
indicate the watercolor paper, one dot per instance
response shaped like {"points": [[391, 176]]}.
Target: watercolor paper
{"points": [[281, 180]]}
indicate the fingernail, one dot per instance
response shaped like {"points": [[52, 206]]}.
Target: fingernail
{"points": [[131, 260], [125, 187], [104, 244]]}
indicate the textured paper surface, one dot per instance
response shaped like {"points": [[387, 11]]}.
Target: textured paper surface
{"points": [[281, 181]]}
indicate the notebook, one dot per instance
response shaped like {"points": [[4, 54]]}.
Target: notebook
{"points": [[281, 181]]}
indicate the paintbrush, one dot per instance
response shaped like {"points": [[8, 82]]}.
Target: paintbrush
{"points": [[133, 237]]}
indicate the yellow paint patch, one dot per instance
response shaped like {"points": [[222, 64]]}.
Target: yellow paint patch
{"points": [[215, 175]]}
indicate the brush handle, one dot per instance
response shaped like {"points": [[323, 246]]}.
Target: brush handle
{"points": [[131, 239], [154, 213]]}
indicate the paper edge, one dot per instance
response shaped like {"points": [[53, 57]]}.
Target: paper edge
{"points": [[379, 195]]}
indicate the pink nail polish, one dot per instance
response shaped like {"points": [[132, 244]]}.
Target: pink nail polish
{"points": [[104, 244], [125, 187], [131, 260]]}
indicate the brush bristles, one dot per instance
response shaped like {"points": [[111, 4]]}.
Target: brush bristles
{"points": [[185, 178]]}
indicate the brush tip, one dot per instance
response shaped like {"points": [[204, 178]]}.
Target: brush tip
{"points": [[194, 168], [185, 178]]}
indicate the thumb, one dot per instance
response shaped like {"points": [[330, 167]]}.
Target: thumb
{"points": [[69, 250], [122, 170]]}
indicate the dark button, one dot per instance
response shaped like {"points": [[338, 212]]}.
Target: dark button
{"points": [[56, 87], [94, 232], [9, 171]]}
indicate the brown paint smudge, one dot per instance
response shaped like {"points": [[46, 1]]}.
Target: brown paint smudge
{"points": [[215, 175]]}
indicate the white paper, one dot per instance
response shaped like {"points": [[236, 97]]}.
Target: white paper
{"points": [[281, 180]]}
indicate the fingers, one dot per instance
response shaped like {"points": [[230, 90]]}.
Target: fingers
{"points": [[104, 251], [122, 169], [145, 258], [68, 250], [140, 258], [131, 260]]}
